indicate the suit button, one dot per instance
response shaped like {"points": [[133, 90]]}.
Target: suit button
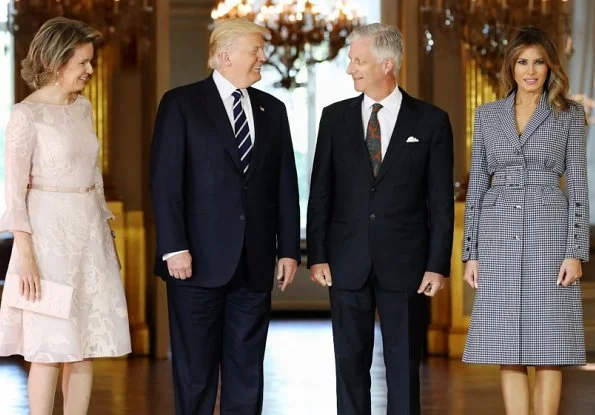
{"points": [[372, 216], [242, 217], [373, 189], [245, 187]]}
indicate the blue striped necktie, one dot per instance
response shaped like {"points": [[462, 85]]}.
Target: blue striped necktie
{"points": [[242, 131]]}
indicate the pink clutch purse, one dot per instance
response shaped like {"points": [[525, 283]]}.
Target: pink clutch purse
{"points": [[56, 298]]}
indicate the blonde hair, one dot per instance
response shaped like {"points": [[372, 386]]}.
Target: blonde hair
{"points": [[51, 48], [387, 42], [556, 85], [225, 34]]}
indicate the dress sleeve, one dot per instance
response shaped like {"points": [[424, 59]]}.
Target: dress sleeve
{"points": [[20, 144], [107, 213], [98, 181]]}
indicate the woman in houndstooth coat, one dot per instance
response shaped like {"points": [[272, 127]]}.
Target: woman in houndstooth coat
{"points": [[524, 236]]}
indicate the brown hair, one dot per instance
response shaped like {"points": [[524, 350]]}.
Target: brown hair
{"points": [[52, 46], [556, 85]]}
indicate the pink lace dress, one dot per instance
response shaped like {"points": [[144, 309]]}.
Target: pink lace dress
{"points": [[55, 145]]}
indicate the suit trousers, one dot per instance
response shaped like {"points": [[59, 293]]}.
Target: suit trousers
{"points": [[402, 323], [218, 332]]}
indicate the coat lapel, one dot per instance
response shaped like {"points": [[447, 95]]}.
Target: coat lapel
{"points": [[217, 113], [404, 127], [355, 134], [540, 114], [508, 122], [261, 133]]}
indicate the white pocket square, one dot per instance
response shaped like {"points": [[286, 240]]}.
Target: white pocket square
{"points": [[412, 139]]}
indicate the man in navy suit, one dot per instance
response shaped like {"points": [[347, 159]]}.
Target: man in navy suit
{"points": [[380, 221], [225, 196]]}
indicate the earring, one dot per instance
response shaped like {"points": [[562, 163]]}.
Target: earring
{"points": [[57, 77]]}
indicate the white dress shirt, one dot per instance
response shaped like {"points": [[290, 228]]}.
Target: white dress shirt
{"points": [[387, 116], [226, 89]]}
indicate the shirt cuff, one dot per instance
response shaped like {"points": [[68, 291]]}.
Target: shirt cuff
{"points": [[171, 254]]}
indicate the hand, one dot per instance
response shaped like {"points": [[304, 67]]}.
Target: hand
{"points": [[431, 283], [30, 287], [570, 271], [471, 273], [180, 266], [321, 273], [286, 269]]}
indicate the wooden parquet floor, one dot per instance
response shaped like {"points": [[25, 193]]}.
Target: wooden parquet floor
{"points": [[299, 380]]}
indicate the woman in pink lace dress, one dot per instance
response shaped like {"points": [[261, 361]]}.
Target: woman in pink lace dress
{"points": [[56, 209]]}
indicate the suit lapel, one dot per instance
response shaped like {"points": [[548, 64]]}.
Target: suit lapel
{"points": [[355, 134], [508, 122], [261, 133], [217, 113], [404, 127], [537, 118]]}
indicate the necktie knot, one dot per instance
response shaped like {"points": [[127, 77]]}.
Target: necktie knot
{"points": [[376, 107], [237, 95]]}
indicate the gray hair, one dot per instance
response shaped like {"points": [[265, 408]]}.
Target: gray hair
{"points": [[387, 42]]}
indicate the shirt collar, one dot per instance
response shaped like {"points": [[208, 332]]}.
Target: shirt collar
{"points": [[225, 87], [392, 102]]}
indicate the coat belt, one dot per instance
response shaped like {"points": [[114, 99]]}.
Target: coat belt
{"points": [[520, 177]]}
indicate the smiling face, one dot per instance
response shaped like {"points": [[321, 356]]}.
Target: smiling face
{"points": [[73, 75], [531, 70], [370, 75], [242, 65]]}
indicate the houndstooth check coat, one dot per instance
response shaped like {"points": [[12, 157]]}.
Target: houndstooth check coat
{"points": [[521, 225]]}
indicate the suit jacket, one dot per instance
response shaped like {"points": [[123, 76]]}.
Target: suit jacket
{"points": [[399, 223], [202, 200]]}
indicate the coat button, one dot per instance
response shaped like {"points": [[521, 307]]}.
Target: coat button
{"points": [[468, 238], [576, 225], [373, 189], [578, 204], [372, 216], [518, 207], [467, 249], [245, 187], [517, 238], [242, 217]]}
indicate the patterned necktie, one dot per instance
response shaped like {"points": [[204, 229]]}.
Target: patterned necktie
{"points": [[242, 131], [373, 140]]}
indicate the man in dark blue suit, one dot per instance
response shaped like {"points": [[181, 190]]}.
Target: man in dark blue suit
{"points": [[380, 221], [225, 196]]}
